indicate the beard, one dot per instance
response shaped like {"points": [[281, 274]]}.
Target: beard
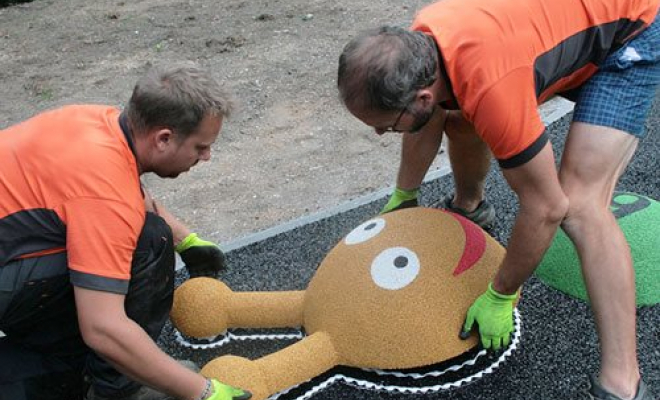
{"points": [[168, 172], [170, 175], [421, 118]]}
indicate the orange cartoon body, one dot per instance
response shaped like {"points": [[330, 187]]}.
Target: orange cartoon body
{"points": [[392, 294]]}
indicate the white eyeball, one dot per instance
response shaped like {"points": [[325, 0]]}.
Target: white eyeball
{"points": [[365, 231], [395, 268]]}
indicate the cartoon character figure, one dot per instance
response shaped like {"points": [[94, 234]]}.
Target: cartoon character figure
{"points": [[393, 294]]}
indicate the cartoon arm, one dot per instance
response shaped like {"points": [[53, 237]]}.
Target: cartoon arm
{"points": [[205, 307], [300, 362]]}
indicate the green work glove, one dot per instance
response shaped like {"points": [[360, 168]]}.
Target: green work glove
{"points": [[401, 199], [226, 392], [493, 312], [202, 258]]}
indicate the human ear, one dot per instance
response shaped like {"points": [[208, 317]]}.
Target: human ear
{"points": [[425, 97], [163, 137]]}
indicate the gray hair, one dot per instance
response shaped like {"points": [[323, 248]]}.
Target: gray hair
{"points": [[383, 68], [177, 97]]}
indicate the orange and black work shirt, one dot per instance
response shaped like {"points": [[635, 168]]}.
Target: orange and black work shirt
{"points": [[504, 57], [69, 182]]}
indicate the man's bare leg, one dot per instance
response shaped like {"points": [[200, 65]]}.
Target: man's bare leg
{"points": [[594, 158], [470, 159]]}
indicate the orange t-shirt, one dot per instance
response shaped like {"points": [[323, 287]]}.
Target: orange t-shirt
{"points": [[69, 182], [504, 57]]}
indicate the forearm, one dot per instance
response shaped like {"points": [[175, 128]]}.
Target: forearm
{"points": [[531, 236], [543, 205], [417, 154], [131, 351], [179, 230], [201, 257], [110, 333]]}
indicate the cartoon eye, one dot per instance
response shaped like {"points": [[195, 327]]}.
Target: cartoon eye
{"points": [[395, 268], [365, 231]]}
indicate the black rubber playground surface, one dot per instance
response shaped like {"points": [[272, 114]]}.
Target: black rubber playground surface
{"points": [[558, 344]]}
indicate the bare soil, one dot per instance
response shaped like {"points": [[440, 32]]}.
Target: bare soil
{"points": [[291, 150]]}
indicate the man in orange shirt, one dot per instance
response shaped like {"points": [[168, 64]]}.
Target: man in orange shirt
{"points": [[87, 257], [477, 71]]}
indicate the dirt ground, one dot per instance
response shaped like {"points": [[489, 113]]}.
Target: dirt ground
{"points": [[291, 150]]}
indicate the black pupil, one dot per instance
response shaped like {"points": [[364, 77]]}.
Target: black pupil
{"points": [[370, 226], [401, 262]]}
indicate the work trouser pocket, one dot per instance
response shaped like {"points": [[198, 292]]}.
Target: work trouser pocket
{"points": [[34, 290]]}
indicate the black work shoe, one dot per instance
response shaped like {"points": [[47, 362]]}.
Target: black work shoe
{"points": [[483, 215], [597, 392]]}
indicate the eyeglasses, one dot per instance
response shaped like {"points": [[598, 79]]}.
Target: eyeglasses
{"points": [[419, 122], [392, 128]]}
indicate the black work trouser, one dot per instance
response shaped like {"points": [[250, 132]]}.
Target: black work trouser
{"points": [[43, 356]]}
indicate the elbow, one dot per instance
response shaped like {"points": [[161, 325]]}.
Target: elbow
{"points": [[98, 337], [94, 337]]}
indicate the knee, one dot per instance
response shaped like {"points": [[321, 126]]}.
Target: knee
{"points": [[156, 234], [155, 247], [586, 212], [151, 288]]}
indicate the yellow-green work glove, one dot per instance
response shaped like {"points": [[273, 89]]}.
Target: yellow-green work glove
{"points": [[493, 312], [226, 392], [401, 199], [202, 258]]}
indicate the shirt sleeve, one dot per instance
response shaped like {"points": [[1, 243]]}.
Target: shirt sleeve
{"points": [[101, 239], [508, 120]]}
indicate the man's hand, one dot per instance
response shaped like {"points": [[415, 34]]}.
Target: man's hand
{"points": [[202, 258], [226, 392], [493, 312], [401, 199]]}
